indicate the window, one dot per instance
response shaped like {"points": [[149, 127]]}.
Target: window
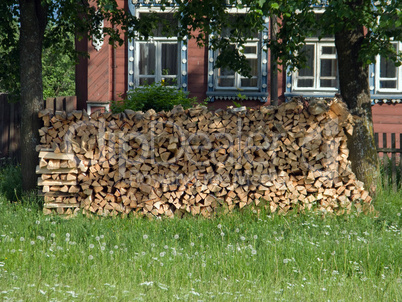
{"points": [[157, 59], [321, 71], [161, 57], [228, 79], [228, 84], [389, 77]]}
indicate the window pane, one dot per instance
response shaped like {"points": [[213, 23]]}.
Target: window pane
{"points": [[169, 81], [328, 83], [254, 66], [328, 50], [226, 82], [388, 84], [328, 68], [305, 83], [250, 50], [146, 81], [387, 68], [309, 69], [246, 82], [225, 72], [169, 59], [147, 59]]}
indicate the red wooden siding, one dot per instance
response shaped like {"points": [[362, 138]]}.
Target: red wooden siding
{"points": [[197, 59], [387, 118]]}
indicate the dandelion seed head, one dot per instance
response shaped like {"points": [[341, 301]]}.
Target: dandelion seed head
{"points": [[22, 239], [219, 226], [67, 234], [176, 236], [91, 246], [255, 237], [90, 257], [37, 222], [237, 230], [32, 242], [53, 235], [145, 236]]}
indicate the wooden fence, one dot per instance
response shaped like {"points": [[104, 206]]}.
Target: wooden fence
{"points": [[10, 120], [389, 147]]}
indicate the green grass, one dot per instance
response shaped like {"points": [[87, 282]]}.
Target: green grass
{"points": [[243, 256]]}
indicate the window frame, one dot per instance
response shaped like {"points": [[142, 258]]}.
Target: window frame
{"points": [[260, 92], [378, 77], [134, 75], [318, 56], [237, 76]]}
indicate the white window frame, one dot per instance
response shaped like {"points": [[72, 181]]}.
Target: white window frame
{"points": [[398, 77], [318, 56], [157, 41], [237, 76]]}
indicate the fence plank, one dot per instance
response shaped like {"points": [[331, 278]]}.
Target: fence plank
{"points": [[385, 158], [393, 163], [391, 158], [10, 120], [400, 160]]}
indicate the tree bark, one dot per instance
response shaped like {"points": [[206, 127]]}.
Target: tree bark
{"points": [[33, 24], [355, 91]]}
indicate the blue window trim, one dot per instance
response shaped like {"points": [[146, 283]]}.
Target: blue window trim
{"points": [[182, 72], [261, 94]]}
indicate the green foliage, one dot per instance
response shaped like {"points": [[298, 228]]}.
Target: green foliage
{"points": [[58, 73], [155, 96], [10, 182]]}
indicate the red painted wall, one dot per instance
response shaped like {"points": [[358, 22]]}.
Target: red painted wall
{"points": [[387, 118], [103, 76]]}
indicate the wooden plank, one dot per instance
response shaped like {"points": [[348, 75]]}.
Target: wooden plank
{"points": [[393, 163], [385, 159], [52, 155], [55, 205], [2, 125], [400, 160], [57, 171], [42, 182], [5, 130], [57, 194]]}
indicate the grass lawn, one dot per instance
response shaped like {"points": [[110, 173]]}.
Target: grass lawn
{"points": [[240, 257]]}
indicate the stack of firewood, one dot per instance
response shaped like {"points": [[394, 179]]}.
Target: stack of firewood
{"points": [[292, 156]]}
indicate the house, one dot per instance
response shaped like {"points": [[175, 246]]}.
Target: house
{"points": [[110, 72]]}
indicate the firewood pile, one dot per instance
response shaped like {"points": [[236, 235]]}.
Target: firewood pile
{"points": [[293, 156]]}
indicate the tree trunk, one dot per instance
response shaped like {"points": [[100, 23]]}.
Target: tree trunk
{"points": [[33, 24], [354, 87]]}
